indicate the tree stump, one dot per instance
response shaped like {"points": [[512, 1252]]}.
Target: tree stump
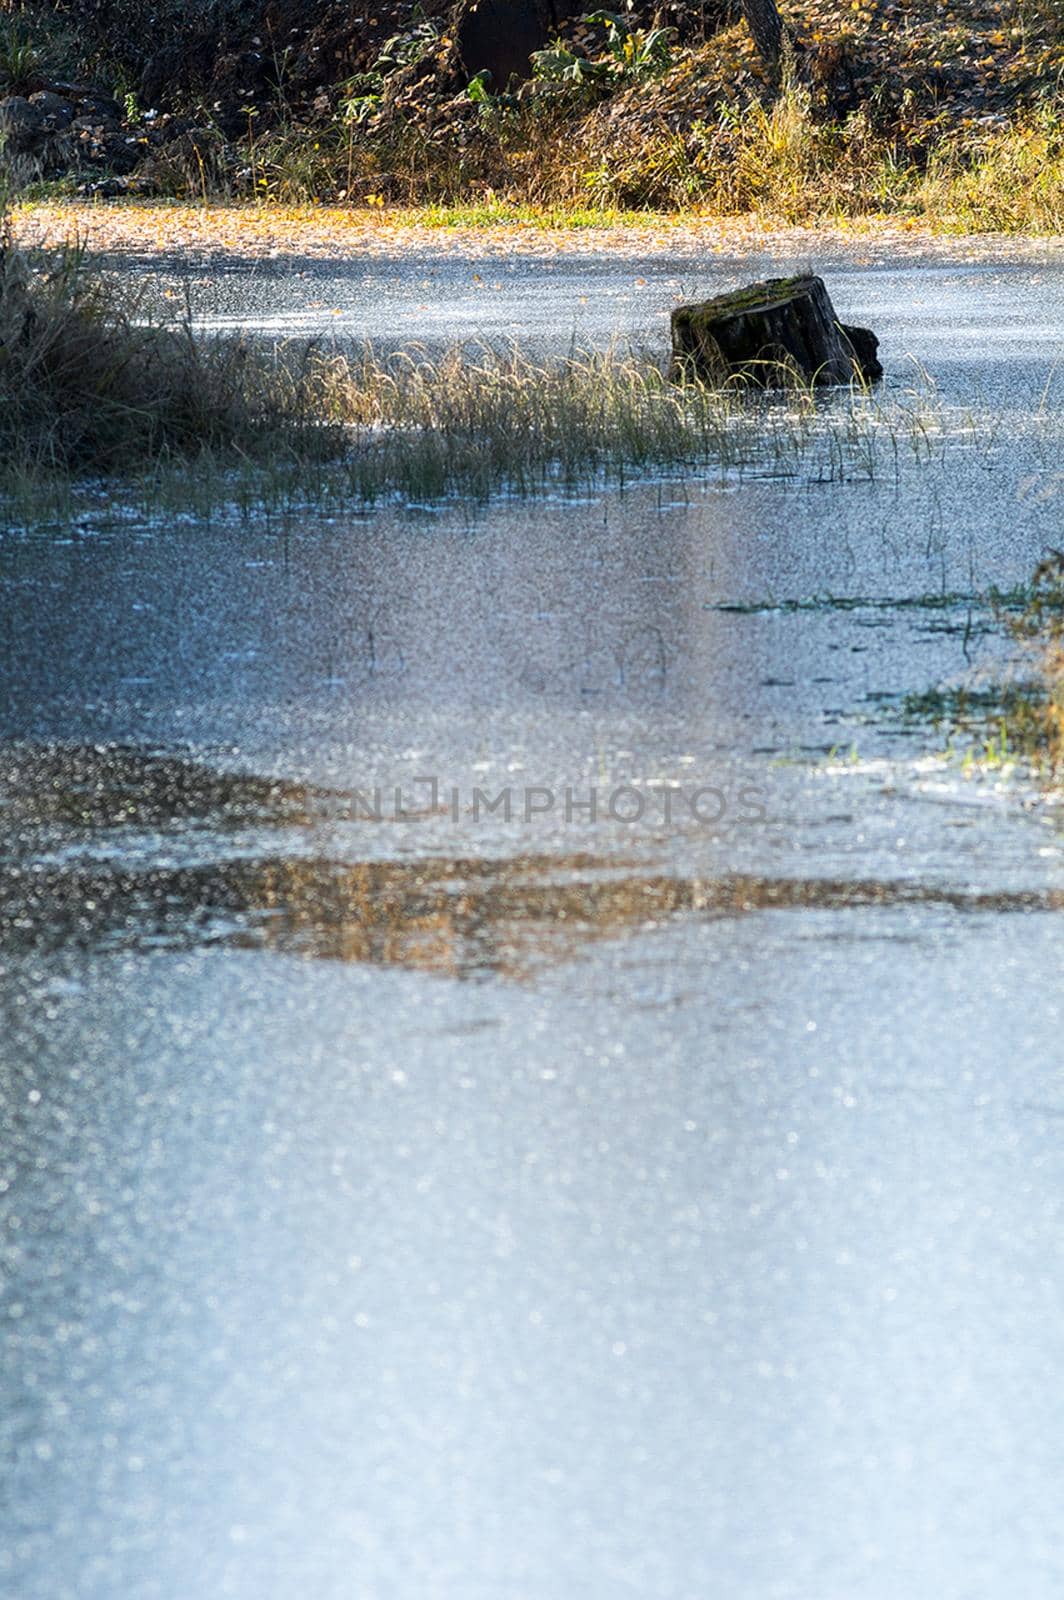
{"points": [[772, 334]]}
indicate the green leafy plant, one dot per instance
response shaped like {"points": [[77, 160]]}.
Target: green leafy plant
{"points": [[636, 52], [363, 94], [478, 90], [408, 48], [559, 64], [629, 55]]}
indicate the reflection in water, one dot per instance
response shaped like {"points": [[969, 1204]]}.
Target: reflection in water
{"points": [[462, 916], [114, 786], [452, 916]]}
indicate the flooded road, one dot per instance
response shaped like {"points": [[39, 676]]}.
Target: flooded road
{"points": [[524, 1075]]}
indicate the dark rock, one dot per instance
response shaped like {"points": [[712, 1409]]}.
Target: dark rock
{"points": [[106, 188], [123, 153], [25, 126], [93, 103], [58, 110], [772, 334], [240, 83], [165, 129], [78, 91], [100, 144]]}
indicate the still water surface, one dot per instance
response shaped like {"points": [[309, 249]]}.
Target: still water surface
{"points": [[401, 1201]]}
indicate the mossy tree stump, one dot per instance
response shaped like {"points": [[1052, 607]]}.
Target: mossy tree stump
{"points": [[772, 334]]}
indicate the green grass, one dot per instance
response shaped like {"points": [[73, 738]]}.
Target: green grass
{"points": [[787, 165], [1036, 727], [783, 164], [515, 214], [1016, 721], [304, 427], [477, 422]]}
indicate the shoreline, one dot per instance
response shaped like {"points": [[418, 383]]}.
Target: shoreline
{"points": [[266, 231]]}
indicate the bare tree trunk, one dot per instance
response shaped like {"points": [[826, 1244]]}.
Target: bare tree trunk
{"points": [[766, 25]]}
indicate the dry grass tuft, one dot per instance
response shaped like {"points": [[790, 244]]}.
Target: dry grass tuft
{"points": [[87, 386], [91, 390]]}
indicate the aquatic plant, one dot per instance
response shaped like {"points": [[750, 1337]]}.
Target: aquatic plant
{"points": [[91, 387], [1036, 724]]}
